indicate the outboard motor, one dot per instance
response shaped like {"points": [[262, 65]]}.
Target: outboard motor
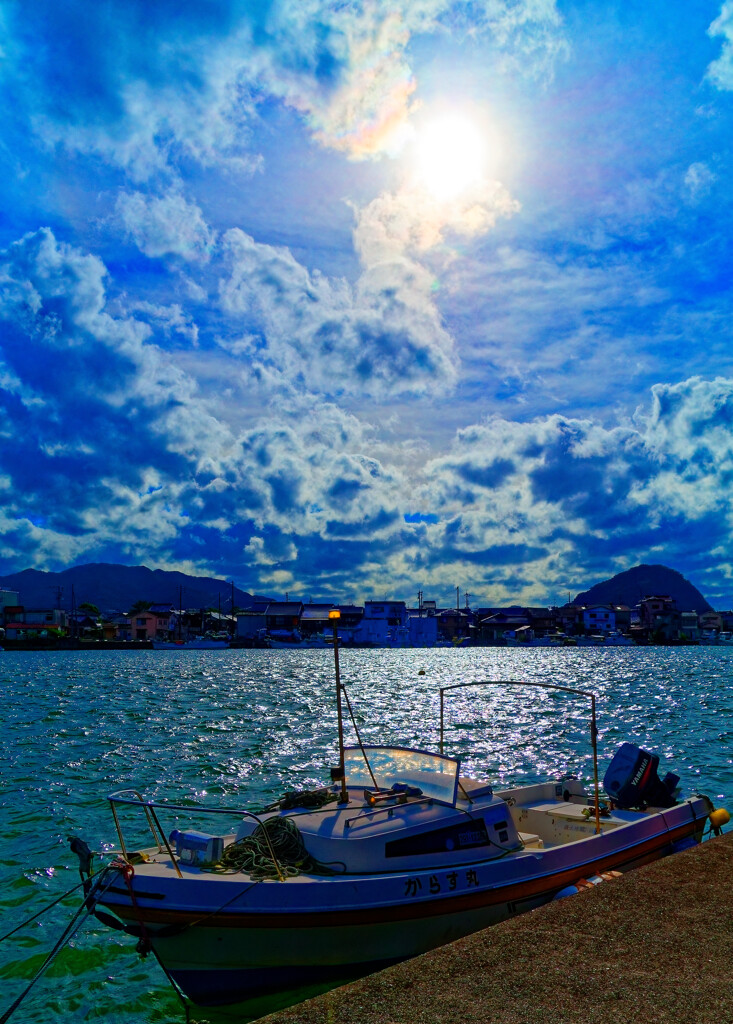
{"points": [[632, 780]]}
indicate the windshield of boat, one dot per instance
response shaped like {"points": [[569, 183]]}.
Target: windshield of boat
{"points": [[435, 775]]}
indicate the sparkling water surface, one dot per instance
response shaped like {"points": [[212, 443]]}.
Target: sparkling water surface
{"points": [[237, 728]]}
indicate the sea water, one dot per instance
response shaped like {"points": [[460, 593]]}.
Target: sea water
{"points": [[236, 728]]}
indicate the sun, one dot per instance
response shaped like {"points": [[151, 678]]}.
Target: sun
{"points": [[450, 156]]}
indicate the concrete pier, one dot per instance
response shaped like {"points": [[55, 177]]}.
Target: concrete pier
{"points": [[652, 947]]}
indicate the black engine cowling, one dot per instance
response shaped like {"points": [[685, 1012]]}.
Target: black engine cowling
{"points": [[632, 780]]}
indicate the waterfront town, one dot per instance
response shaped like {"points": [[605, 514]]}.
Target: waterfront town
{"points": [[656, 619]]}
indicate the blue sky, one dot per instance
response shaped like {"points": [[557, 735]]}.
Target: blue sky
{"points": [[350, 299]]}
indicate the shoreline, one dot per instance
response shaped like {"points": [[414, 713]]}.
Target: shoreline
{"points": [[238, 645]]}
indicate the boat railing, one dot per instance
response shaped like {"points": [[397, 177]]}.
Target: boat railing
{"points": [[131, 798], [542, 686]]}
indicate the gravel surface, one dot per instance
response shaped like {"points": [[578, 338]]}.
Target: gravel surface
{"points": [[654, 947]]}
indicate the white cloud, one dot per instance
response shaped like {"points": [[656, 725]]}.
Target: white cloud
{"points": [[720, 71], [103, 365], [165, 225], [194, 85], [412, 221], [699, 179], [118, 448], [384, 336], [171, 319]]}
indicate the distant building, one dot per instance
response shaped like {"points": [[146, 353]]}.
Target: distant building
{"points": [[690, 625], [36, 622], [315, 619], [659, 617], [251, 624], [384, 624], [623, 617], [569, 618], [712, 621], [8, 599], [423, 630], [53, 617], [142, 626], [351, 616], [454, 624], [166, 621], [82, 624], [599, 618], [502, 624], [283, 616]]}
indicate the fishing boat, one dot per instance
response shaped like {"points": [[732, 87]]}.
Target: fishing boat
{"points": [[199, 643], [615, 638], [294, 640], [399, 853]]}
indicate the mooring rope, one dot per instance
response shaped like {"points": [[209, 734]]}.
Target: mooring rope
{"points": [[252, 853], [69, 932], [308, 798], [43, 910]]}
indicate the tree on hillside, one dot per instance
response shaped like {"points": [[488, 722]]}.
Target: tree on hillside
{"points": [[89, 609], [140, 606]]}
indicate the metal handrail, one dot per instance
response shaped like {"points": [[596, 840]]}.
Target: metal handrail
{"points": [[150, 806], [543, 686]]}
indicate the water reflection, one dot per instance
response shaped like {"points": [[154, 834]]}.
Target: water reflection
{"points": [[240, 727]]}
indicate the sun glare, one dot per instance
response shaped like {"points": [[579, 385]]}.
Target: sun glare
{"points": [[450, 156]]}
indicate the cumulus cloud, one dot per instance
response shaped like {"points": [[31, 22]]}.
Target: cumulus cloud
{"points": [[412, 221], [141, 86], [358, 84], [689, 434], [531, 507], [383, 336], [165, 225], [100, 411], [110, 451], [172, 320], [112, 446]]}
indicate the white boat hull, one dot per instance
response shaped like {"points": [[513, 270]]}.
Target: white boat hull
{"points": [[190, 645], [299, 645], [401, 854], [255, 940]]}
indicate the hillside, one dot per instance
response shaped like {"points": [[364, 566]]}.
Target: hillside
{"points": [[644, 581], [115, 588]]}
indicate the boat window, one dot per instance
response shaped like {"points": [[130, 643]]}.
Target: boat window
{"points": [[434, 774]]}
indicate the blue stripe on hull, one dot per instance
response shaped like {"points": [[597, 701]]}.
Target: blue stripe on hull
{"points": [[281, 985]]}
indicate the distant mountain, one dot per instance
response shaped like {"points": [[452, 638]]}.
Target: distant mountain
{"points": [[115, 588], [646, 581]]}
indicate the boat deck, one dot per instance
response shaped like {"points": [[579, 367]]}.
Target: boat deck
{"points": [[554, 823]]}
